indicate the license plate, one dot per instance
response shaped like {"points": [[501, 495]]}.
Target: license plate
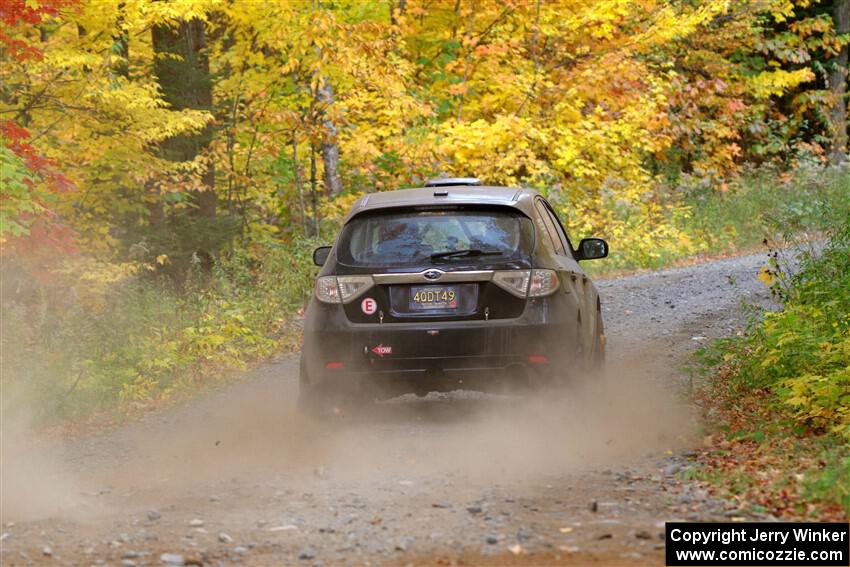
{"points": [[434, 297]]}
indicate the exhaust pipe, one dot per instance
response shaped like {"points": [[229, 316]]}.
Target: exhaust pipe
{"points": [[426, 386]]}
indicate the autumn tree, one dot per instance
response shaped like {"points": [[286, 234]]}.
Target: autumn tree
{"points": [[186, 123], [838, 79], [29, 224], [182, 70], [324, 100], [181, 66]]}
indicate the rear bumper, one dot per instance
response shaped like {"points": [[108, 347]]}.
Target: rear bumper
{"points": [[448, 355], [421, 375]]}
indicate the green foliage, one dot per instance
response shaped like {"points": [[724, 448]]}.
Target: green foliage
{"points": [[16, 202], [833, 483], [117, 337], [799, 356], [766, 204], [803, 351], [763, 203], [180, 242]]}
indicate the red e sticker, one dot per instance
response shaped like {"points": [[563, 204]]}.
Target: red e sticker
{"points": [[369, 306]]}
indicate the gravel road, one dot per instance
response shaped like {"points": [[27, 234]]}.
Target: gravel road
{"points": [[238, 477]]}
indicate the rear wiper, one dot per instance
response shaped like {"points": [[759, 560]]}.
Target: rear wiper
{"points": [[464, 253]]}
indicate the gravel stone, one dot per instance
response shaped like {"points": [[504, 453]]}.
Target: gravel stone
{"points": [[172, 559], [672, 469]]}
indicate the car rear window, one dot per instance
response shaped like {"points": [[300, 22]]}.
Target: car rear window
{"points": [[407, 238]]}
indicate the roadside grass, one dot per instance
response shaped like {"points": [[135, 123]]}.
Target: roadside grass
{"points": [[111, 340], [778, 396], [114, 339], [711, 221]]}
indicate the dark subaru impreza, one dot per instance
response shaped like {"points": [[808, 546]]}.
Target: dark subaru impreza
{"points": [[450, 286]]}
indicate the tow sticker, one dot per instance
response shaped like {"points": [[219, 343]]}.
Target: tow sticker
{"points": [[369, 306], [381, 350]]}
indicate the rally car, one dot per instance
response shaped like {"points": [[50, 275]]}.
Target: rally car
{"points": [[450, 286]]}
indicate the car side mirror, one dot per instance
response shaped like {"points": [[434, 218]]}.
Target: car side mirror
{"points": [[320, 255], [592, 249]]}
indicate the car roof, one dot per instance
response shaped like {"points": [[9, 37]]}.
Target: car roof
{"points": [[516, 197]]}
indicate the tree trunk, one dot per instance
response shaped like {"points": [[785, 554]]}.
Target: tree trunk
{"points": [[838, 85], [395, 14], [324, 96], [182, 70], [299, 185], [402, 4], [186, 84], [330, 144], [314, 191], [121, 44], [455, 19]]}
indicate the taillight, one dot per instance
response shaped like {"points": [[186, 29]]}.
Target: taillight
{"points": [[341, 289], [327, 289], [543, 282], [527, 283], [514, 281]]}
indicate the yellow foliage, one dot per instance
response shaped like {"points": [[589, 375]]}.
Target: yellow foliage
{"points": [[766, 276], [586, 100], [772, 83]]}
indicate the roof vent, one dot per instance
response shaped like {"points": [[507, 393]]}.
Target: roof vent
{"points": [[453, 182]]}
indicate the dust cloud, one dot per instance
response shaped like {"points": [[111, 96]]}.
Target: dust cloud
{"points": [[253, 433], [624, 414], [34, 482], [604, 421]]}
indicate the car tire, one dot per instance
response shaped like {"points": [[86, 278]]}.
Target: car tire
{"points": [[317, 402], [587, 366], [312, 401], [598, 359]]}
